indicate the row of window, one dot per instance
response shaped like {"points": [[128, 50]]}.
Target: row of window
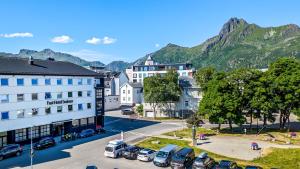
{"points": [[144, 75], [4, 98], [48, 110], [48, 81], [157, 68]]}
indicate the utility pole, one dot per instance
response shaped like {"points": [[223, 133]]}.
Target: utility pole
{"points": [[31, 148]]}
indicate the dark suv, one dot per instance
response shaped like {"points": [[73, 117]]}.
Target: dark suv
{"points": [[183, 158], [131, 152], [44, 143], [225, 164], [10, 150], [86, 133]]}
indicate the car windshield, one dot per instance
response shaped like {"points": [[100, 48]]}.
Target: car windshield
{"points": [[162, 154], [109, 149], [199, 159]]}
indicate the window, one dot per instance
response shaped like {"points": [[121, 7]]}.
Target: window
{"points": [[35, 111], [134, 75], [47, 95], [124, 98], [89, 81], [80, 107], [70, 94], [123, 91], [20, 82], [70, 81], [35, 132], [20, 113], [180, 67], [98, 93], [47, 110], [20, 97], [34, 82], [59, 109], [128, 91], [4, 115], [47, 81], [59, 81], [59, 95], [186, 103], [140, 75], [91, 120], [75, 123], [20, 135], [45, 130], [79, 81], [145, 75], [145, 68], [34, 96], [183, 73], [70, 108], [129, 98], [4, 82], [79, 93], [83, 122], [4, 98], [89, 93], [89, 105]]}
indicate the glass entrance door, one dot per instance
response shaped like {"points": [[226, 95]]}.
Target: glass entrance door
{"points": [[3, 139]]}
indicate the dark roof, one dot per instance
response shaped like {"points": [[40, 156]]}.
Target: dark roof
{"points": [[21, 66], [138, 85]]}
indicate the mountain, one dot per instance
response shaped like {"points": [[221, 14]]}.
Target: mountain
{"points": [[117, 65], [238, 44]]}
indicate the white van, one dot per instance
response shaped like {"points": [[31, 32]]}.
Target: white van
{"points": [[114, 148]]}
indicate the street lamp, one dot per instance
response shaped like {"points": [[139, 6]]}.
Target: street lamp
{"points": [[31, 145]]}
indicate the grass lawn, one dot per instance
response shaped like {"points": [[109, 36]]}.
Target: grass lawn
{"points": [[187, 132], [279, 158]]}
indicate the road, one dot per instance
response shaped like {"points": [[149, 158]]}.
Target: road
{"points": [[79, 153]]}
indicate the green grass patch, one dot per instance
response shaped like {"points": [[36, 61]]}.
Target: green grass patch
{"points": [[187, 132], [278, 158]]}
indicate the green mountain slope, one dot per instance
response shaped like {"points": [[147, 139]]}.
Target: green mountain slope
{"points": [[238, 44]]}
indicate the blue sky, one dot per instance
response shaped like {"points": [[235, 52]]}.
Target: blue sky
{"points": [[107, 30]]}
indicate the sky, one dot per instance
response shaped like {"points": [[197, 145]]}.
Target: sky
{"points": [[108, 30]]}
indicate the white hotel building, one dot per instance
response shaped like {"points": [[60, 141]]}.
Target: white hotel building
{"points": [[52, 96]]}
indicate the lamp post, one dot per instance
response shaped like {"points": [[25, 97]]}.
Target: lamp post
{"points": [[194, 135], [31, 149]]}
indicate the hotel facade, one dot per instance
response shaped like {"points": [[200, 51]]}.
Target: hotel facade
{"points": [[50, 96]]}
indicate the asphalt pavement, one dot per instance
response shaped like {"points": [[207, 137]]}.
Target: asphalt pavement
{"points": [[79, 153]]}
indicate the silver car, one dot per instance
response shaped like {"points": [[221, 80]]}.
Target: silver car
{"points": [[146, 155]]}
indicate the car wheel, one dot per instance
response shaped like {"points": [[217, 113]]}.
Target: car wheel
{"points": [[1, 158], [18, 153]]}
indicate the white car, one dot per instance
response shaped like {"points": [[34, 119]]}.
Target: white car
{"points": [[146, 155], [114, 148]]}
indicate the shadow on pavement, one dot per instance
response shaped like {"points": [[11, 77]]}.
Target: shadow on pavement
{"points": [[116, 124]]}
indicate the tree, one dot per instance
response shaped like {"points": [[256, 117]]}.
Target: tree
{"points": [[204, 75], [140, 109]]}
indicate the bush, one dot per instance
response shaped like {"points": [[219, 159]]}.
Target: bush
{"points": [[194, 120]]}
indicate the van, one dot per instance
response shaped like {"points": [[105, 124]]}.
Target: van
{"points": [[183, 158], [164, 155], [114, 148]]}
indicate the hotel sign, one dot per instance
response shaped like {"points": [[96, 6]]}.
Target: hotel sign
{"points": [[59, 102]]}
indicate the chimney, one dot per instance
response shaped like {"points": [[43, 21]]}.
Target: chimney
{"points": [[30, 60]]}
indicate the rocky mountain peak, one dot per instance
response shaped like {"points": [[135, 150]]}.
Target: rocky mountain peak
{"points": [[231, 25], [26, 52], [47, 51]]}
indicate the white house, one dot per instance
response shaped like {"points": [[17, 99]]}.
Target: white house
{"points": [[131, 93], [51, 96]]}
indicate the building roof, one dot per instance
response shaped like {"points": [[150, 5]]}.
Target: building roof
{"points": [[22, 66], [134, 85]]}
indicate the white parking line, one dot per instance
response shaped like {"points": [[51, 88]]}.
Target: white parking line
{"points": [[111, 122]]}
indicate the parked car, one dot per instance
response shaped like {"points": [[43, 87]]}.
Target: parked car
{"points": [[10, 150], [203, 161], [86, 133], [253, 167], [91, 167], [225, 164], [44, 143], [146, 155], [183, 158], [164, 155], [131, 152], [114, 148], [127, 111]]}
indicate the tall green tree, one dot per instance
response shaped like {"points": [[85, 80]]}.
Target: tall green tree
{"points": [[204, 75]]}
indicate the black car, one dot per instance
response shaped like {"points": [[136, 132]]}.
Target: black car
{"points": [[131, 152], [86, 133], [252, 167], [225, 164], [91, 167], [183, 158], [203, 161], [10, 150], [44, 143]]}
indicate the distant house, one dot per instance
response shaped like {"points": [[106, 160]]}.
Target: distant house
{"points": [[131, 93]]}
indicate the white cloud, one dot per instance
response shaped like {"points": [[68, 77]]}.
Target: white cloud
{"points": [[93, 41], [17, 35], [157, 45], [62, 39], [105, 40]]}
